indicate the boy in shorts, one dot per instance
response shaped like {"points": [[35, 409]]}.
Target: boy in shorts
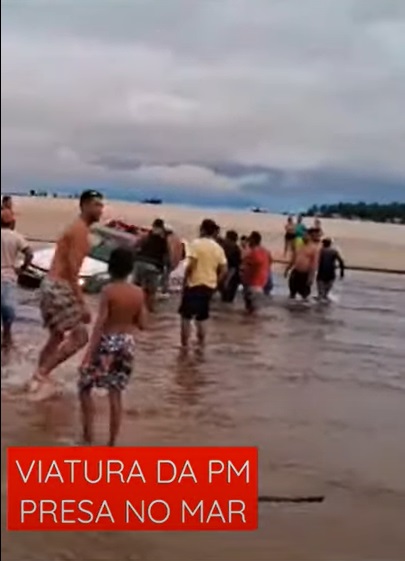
{"points": [[109, 357]]}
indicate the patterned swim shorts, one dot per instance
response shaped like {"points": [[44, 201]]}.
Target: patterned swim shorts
{"points": [[60, 309], [112, 364]]}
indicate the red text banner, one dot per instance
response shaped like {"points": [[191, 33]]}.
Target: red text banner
{"points": [[84, 488]]}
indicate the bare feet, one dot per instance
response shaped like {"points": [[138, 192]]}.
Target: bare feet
{"points": [[36, 381], [45, 390]]}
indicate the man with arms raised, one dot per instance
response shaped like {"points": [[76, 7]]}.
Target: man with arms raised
{"points": [[206, 268], [62, 304], [303, 267]]}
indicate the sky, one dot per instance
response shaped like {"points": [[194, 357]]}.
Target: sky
{"points": [[277, 103]]}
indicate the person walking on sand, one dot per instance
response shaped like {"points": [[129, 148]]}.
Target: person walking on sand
{"points": [[206, 268], [302, 268], [62, 304], [289, 235], [173, 257], [329, 257], [13, 244], [109, 357]]}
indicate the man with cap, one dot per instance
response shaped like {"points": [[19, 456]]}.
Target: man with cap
{"points": [[64, 311], [13, 244]]}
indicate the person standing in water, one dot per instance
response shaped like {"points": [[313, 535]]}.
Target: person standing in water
{"points": [[329, 257], [62, 305], [289, 235], [255, 272], [205, 270], [234, 259], [109, 357], [13, 245], [152, 257], [7, 204], [303, 268]]}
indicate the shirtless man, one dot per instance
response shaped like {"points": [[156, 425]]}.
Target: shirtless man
{"points": [[289, 235], [317, 231], [62, 305], [303, 267]]}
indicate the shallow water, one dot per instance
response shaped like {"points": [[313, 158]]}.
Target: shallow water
{"points": [[320, 391]]}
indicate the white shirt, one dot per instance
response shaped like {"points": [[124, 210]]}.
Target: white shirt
{"points": [[12, 244]]}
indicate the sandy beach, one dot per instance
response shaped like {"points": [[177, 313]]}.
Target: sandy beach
{"points": [[321, 392], [362, 244]]}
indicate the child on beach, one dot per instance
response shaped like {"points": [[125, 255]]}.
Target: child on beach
{"points": [[109, 357]]}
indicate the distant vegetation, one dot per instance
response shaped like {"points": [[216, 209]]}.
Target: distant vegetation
{"points": [[374, 212]]}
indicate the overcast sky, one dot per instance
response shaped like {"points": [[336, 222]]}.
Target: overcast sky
{"points": [[283, 102]]}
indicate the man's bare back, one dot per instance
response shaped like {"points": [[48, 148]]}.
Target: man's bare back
{"points": [[71, 249]]}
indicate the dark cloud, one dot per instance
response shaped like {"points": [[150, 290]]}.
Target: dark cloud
{"points": [[234, 99]]}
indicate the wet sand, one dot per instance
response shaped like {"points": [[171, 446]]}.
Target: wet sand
{"points": [[320, 391]]}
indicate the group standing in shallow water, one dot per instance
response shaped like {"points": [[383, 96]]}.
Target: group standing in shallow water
{"points": [[214, 264]]}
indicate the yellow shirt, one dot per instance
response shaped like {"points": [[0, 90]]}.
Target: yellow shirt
{"points": [[208, 256], [299, 242]]}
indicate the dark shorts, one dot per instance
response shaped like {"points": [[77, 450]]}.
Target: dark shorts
{"points": [[253, 297], [147, 276], [195, 303], [299, 284], [324, 286], [112, 364], [289, 237]]}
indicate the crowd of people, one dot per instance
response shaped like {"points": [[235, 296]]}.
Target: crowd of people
{"points": [[214, 264]]}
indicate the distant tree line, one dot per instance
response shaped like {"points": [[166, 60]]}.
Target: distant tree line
{"points": [[374, 212]]}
